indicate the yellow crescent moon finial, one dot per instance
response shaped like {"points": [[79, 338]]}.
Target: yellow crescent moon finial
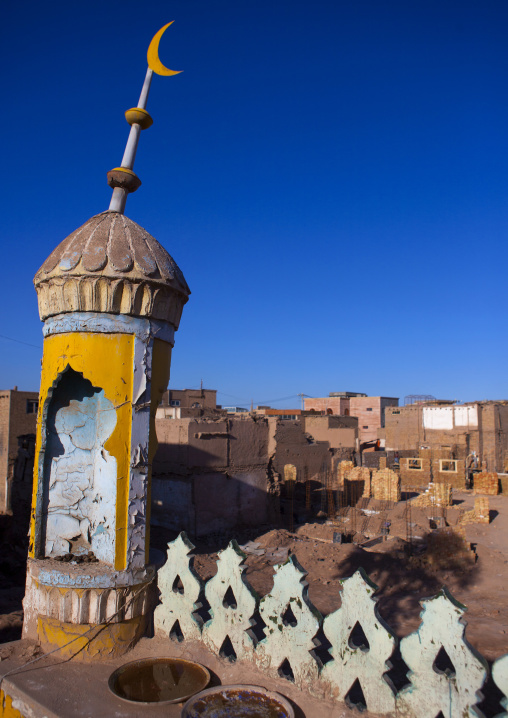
{"points": [[153, 54]]}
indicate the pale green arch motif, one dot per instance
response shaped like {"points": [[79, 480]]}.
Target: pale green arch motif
{"points": [[353, 662]]}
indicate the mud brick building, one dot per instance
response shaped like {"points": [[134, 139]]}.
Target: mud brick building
{"points": [[18, 417], [225, 474], [180, 403], [443, 442], [369, 410]]}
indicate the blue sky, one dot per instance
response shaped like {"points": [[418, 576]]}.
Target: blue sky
{"points": [[330, 176]]}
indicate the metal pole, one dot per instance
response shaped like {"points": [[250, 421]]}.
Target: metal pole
{"points": [[119, 197]]}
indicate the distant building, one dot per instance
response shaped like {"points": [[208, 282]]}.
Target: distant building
{"points": [[469, 434], [187, 403], [285, 414], [369, 410], [18, 417], [190, 398]]}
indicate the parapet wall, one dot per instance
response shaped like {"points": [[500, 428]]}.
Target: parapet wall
{"points": [[279, 632]]}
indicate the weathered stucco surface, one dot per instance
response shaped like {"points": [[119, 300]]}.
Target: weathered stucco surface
{"points": [[82, 480], [199, 461], [106, 361], [127, 360], [111, 264]]}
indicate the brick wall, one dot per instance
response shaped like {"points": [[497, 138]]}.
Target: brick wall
{"points": [[486, 483], [403, 428], [213, 475], [457, 479], [328, 404], [14, 422], [372, 459], [370, 411], [494, 419], [488, 437], [206, 398], [412, 477], [385, 485], [338, 431]]}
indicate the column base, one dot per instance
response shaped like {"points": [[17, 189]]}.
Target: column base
{"points": [[86, 642], [88, 612]]}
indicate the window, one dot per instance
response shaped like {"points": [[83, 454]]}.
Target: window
{"points": [[365, 427], [369, 408], [175, 402], [397, 411], [414, 464], [31, 406], [447, 465]]}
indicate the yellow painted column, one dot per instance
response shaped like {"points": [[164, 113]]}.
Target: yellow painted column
{"points": [[107, 361]]}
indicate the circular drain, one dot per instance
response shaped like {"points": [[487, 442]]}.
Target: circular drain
{"points": [[158, 680]]}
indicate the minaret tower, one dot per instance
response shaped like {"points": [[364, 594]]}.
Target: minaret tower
{"points": [[111, 298]]}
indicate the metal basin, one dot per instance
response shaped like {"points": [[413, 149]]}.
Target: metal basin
{"points": [[158, 680], [239, 701]]}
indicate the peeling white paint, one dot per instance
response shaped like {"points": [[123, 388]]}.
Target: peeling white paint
{"points": [[92, 604], [144, 329], [139, 468], [63, 525], [82, 481]]}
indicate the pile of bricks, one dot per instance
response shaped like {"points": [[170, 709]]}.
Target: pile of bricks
{"points": [[343, 470], [486, 483], [385, 485], [479, 515], [361, 473], [482, 510], [435, 495], [468, 517], [289, 472]]}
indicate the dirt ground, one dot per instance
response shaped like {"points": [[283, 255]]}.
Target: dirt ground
{"points": [[476, 578]]}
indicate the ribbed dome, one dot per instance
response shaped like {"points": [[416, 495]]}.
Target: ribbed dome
{"points": [[111, 243], [113, 248]]}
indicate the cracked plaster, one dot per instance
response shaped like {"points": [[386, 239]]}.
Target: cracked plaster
{"points": [[82, 481]]}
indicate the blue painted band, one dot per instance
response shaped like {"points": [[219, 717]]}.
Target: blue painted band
{"points": [[93, 322]]}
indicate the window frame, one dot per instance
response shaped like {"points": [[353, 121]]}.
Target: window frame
{"points": [[32, 406], [448, 461]]}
